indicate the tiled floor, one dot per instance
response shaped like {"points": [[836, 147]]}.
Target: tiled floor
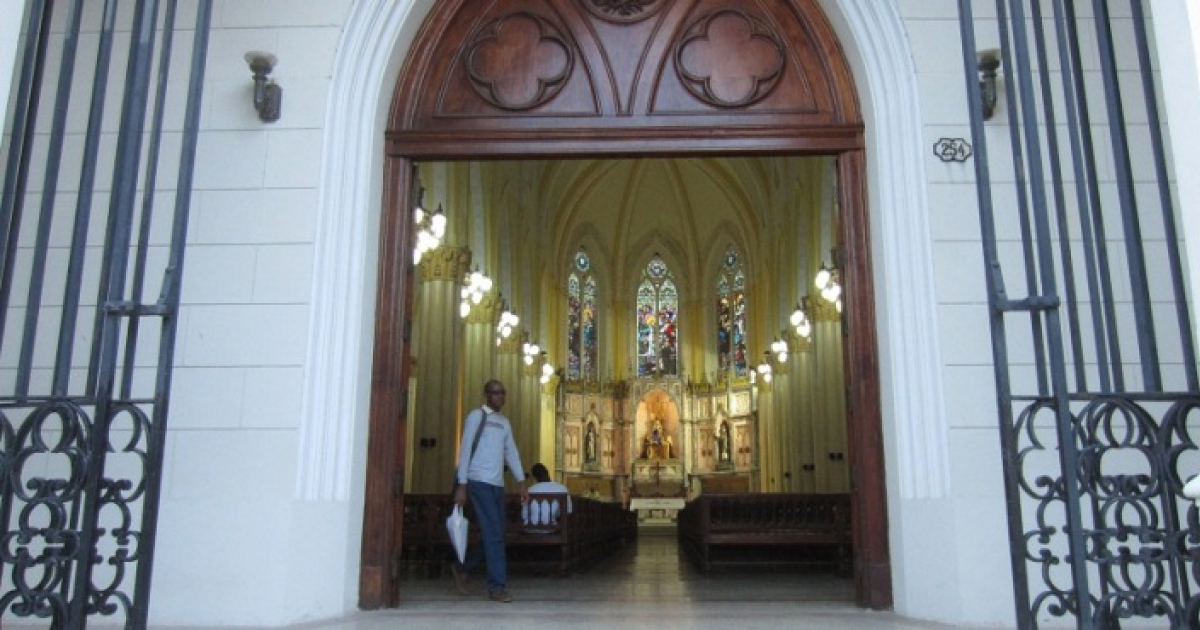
{"points": [[646, 585]]}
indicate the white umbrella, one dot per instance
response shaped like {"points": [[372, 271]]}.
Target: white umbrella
{"points": [[456, 526]]}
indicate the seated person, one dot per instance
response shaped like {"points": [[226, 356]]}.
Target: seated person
{"points": [[542, 512]]}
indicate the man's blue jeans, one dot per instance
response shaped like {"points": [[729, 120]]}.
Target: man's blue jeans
{"points": [[488, 501]]}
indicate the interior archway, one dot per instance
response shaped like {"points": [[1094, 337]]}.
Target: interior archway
{"points": [[772, 116]]}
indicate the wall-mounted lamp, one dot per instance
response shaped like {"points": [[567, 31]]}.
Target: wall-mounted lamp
{"points": [[829, 282], [475, 286], [989, 62], [800, 322], [268, 96], [780, 349], [506, 326]]}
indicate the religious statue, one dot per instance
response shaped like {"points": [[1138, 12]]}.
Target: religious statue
{"points": [[589, 444], [723, 443], [657, 444]]}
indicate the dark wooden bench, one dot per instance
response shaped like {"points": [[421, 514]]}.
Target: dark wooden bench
{"points": [[574, 540], [756, 529]]}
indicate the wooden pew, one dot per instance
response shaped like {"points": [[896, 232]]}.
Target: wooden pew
{"points": [[548, 540], [575, 540], [731, 528]]}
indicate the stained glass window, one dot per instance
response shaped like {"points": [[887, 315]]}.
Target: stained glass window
{"points": [[731, 315], [657, 311], [582, 312]]}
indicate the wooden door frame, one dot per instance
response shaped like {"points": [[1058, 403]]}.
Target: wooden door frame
{"points": [[386, 446]]}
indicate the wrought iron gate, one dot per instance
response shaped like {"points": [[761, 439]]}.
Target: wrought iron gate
{"points": [[93, 220], [1095, 363]]}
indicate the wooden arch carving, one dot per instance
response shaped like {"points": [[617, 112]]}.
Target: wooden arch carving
{"points": [[624, 76], [587, 78]]}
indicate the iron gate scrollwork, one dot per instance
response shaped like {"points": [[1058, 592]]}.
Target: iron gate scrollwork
{"points": [[90, 278], [1095, 365]]}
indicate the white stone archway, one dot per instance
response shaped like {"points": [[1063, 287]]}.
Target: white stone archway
{"points": [[331, 463]]}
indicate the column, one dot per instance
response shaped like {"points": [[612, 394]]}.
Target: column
{"points": [[509, 370], [803, 385], [829, 399], [435, 425], [480, 350]]}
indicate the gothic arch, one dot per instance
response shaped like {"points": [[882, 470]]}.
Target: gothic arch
{"points": [[333, 427]]}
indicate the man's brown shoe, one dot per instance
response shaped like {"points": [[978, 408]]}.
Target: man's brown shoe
{"points": [[462, 581], [501, 596]]}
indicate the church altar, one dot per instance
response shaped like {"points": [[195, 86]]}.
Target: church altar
{"points": [[656, 510], [652, 443]]}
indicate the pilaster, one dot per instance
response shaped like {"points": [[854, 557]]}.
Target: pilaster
{"points": [[437, 348]]}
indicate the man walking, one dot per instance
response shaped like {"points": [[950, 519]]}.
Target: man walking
{"points": [[487, 445]]}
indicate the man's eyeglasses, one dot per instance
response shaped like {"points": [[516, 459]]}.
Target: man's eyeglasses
{"points": [[494, 392]]}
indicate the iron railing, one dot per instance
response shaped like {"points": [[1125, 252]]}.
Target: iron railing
{"points": [[1095, 365], [93, 220]]}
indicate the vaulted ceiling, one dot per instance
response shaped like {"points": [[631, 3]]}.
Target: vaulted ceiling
{"points": [[688, 210]]}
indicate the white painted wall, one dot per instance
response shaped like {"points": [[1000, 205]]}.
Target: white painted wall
{"points": [[236, 546], [11, 18], [1177, 36]]}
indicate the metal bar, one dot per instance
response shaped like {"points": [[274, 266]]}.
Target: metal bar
{"points": [[1178, 566], [54, 154], [171, 291], [1021, 183], [137, 286], [996, 294], [1059, 195], [1115, 360], [1030, 304], [1139, 287], [1080, 155], [1174, 258], [83, 208], [129, 149], [16, 176], [1068, 457]]}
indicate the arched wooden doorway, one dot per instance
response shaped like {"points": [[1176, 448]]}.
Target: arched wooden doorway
{"points": [[555, 78]]}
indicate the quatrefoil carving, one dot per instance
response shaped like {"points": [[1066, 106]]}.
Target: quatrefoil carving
{"points": [[729, 59], [519, 62]]}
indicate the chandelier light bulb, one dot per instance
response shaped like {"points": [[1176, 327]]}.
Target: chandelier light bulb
{"points": [[823, 277], [464, 309], [780, 348]]}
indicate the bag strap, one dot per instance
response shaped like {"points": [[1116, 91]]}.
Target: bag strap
{"points": [[478, 434]]}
